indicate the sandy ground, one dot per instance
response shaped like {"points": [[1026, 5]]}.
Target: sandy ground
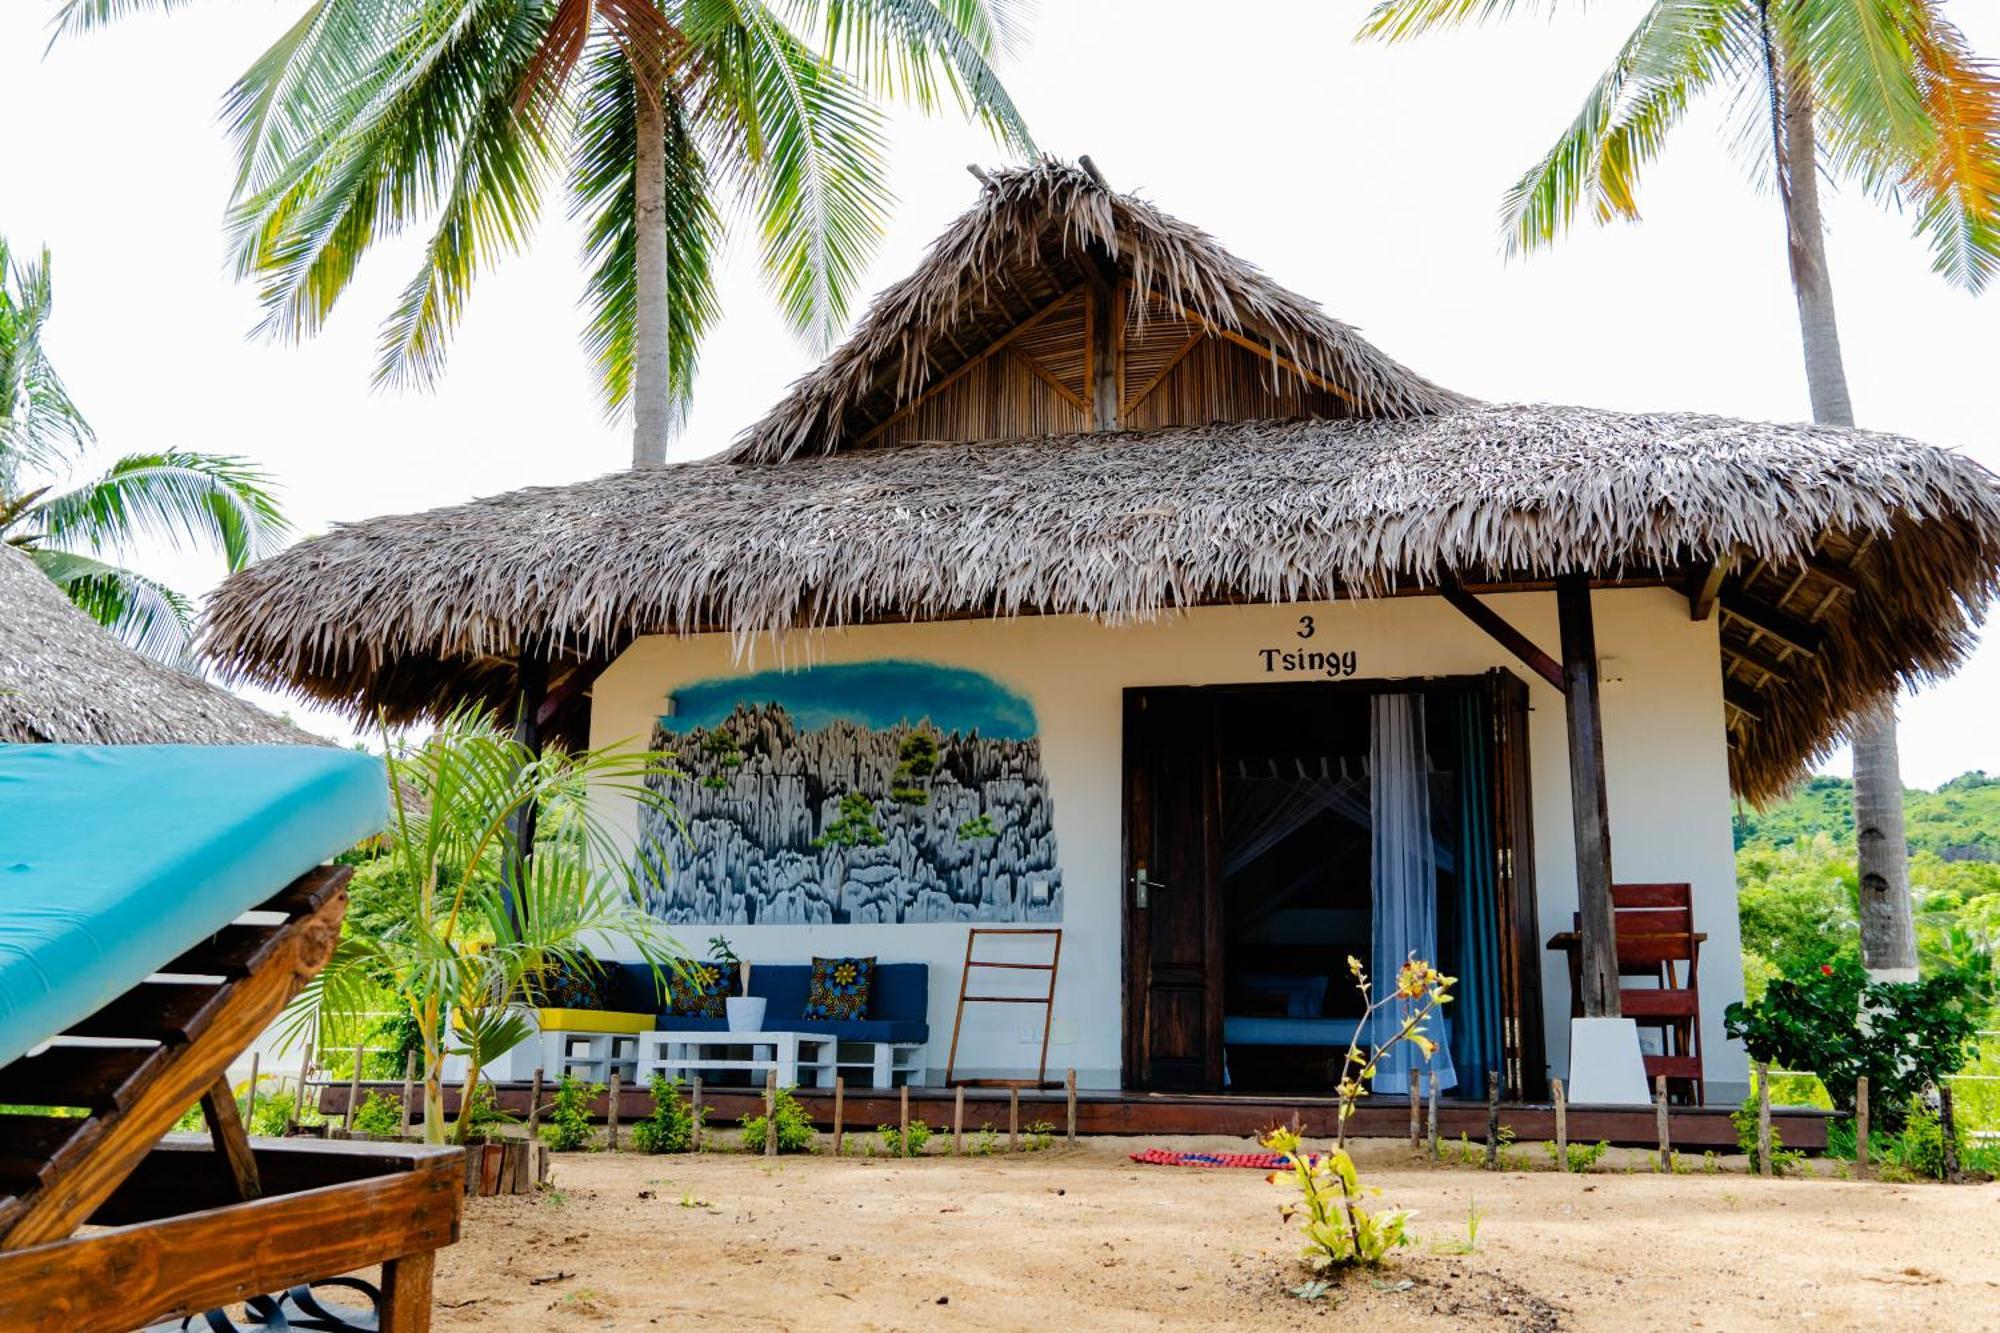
{"points": [[1087, 1239]]}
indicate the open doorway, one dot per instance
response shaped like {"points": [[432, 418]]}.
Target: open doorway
{"points": [[1273, 832]]}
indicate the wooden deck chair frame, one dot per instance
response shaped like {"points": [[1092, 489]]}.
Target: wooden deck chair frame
{"points": [[190, 1224]]}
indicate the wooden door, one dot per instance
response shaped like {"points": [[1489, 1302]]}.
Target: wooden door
{"points": [[1173, 917], [1524, 1049]]}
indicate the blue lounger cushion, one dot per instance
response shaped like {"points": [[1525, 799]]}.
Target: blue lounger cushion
{"points": [[115, 860], [898, 1005], [1258, 1030]]}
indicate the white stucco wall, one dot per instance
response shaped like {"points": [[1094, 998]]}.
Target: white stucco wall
{"points": [[1665, 765]]}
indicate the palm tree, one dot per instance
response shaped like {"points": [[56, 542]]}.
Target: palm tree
{"points": [[1884, 94], [369, 115], [68, 527], [468, 922]]}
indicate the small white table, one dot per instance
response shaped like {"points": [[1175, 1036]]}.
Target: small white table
{"points": [[801, 1059]]}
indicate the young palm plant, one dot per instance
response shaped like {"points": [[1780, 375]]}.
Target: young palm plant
{"points": [[371, 115], [1885, 94], [69, 527], [463, 925]]}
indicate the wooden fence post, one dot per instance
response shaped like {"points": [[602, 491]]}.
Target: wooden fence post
{"points": [[409, 1081], [1013, 1120], [1562, 1125], [694, 1110], [1069, 1129], [354, 1088], [1416, 1107], [1948, 1126], [305, 1070], [839, 1112], [1763, 1118], [903, 1118], [1431, 1121], [1662, 1123], [771, 1112], [250, 1109], [611, 1115], [958, 1121], [535, 1104], [1861, 1128], [1492, 1120]]}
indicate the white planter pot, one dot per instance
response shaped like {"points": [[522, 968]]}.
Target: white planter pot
{"points": [[746, 1013]]}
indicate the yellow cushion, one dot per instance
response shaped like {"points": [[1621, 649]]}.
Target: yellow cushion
{"points": [[593, 1020]]}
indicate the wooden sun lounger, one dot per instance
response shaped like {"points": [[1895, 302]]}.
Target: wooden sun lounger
{"points": [[188, 1224]]}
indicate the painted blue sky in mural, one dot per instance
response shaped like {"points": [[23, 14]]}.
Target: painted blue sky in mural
{"points": [[877, 695]]}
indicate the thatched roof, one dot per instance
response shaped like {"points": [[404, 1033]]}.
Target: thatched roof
{"points": [[1035, 234], [64, 678], [1888, 547]]}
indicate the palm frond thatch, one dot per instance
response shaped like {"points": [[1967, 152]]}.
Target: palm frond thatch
{"points": [[414, 613], [64, 678], [1034, 231]]}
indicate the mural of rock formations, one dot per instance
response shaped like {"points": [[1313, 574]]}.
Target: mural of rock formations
{"points": [[879, 792]]}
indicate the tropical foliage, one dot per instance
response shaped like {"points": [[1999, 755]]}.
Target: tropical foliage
{"points": [[455, 924], [1902, 107], [73, 527], [663, 119]]}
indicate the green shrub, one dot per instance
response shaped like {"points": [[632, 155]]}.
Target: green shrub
{"points": [[485, 1114], [379, 1114], [795, 1131], [275, 1112], [1744, 1118], [569, 1128], [891, 1138], [1038, 1135], [670, 1128], [1916, 1033], [1582, 1156]]}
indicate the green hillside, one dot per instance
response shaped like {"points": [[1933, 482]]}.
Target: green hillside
{"points": [[1960, 821]]}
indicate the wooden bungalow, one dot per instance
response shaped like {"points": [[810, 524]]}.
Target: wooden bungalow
{"points": [[1100, 582]]}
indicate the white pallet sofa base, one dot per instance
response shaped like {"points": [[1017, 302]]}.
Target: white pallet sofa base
{"points": [[801, 1059]]}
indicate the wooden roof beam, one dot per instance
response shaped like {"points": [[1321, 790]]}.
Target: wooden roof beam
{"points": [[1789, 630], [1503, 633], [1704, 585], [992, 349]]}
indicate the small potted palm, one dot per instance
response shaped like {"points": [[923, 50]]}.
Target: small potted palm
{"points": [[746, 1011]]}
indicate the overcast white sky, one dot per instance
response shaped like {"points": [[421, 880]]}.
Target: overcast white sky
{"points": [[1365, 177]]}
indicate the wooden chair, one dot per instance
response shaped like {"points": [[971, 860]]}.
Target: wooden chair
{"points": [[191, 1224], [1657, 941]]}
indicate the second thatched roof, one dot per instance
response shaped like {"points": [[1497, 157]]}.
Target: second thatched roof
{"points": [[64, 678], [1887, 547]]}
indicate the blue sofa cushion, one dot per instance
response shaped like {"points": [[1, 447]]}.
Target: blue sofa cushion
{"points": [[114, 859], [851, 1029], [901, 998]]}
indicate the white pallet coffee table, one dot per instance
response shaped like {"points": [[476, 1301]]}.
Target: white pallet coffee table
{"points": [[801, 1059]]}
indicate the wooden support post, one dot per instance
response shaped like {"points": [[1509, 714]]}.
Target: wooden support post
{"points": [[1948, 1126], [305, 1073], [958, 1121], [839, 1112], [1492, 1119], [535, 1104], [1588, 808], [771, 1113], [1431, 1121], [1662, 1123], [611, 1114], [1069, 1124], [406, 1293], [903, 1118], [695, 1112], [1763, 1119], [354, 1088], [1416, 1107], [409, 1082], [225, 1131], [1105, 351], [250, 1100], [1861, 1128], [1013, 1120], [1562, 1125]]}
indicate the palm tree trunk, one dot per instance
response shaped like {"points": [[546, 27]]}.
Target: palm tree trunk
{"points": [[1888, 930], [650, 393]]}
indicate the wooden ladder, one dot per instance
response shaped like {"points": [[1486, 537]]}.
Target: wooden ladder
{"points": [[965, 997]]}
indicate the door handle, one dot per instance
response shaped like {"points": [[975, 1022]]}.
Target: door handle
{"points": [[1143, 886]]}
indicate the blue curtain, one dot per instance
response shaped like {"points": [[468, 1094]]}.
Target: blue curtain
{"points": [[1475, 1010], [1404, 871]]}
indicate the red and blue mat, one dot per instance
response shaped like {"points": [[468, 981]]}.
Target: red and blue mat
{"points": [[1255, 1161]]}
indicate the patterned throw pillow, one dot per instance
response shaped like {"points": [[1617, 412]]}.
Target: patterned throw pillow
{"points": [[840, 988], [701, 993], [562, 986]]}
